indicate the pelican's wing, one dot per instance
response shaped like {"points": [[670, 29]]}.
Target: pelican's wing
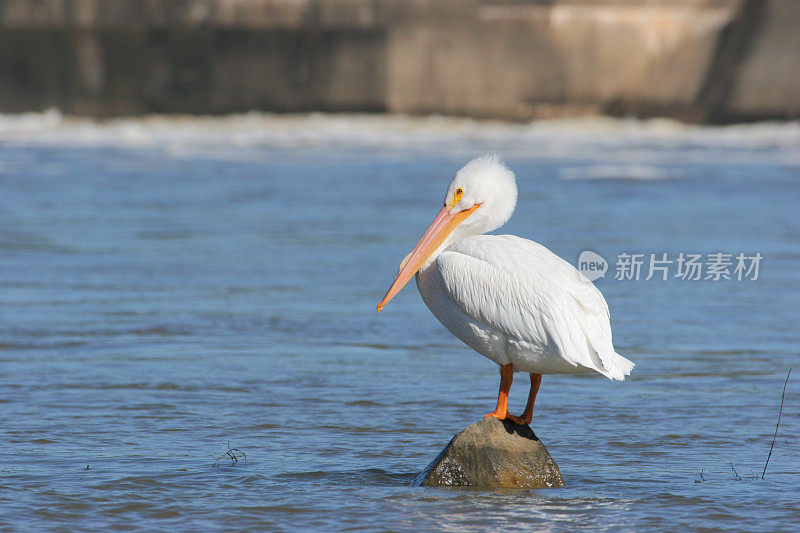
{"points": [[523, 290]]}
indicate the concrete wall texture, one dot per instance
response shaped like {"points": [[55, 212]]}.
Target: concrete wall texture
{"points": [[697, 60]]}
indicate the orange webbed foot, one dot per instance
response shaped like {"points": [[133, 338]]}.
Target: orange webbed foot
{"points": [[508, 416], [523, 420], [517, 420]]}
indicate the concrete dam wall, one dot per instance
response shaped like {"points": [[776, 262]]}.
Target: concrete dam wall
{"points": [[696, 60]]}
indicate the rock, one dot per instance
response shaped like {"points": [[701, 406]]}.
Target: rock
{"points": [[492, 454]]}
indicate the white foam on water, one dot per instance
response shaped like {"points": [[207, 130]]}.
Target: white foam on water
{"points": [[630, 172], [642, 145]]}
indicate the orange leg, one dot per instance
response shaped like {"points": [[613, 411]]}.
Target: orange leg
{"points": [[501, 411], [527, 416]]}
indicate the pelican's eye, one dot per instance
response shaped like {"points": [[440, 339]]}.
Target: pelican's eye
{"points": [[457, 194]]}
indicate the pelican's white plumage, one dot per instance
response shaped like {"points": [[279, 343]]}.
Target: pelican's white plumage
{"points": [[510, 299], [515, 301]]}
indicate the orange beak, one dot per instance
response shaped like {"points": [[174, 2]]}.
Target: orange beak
{"points": [[434, 236]]}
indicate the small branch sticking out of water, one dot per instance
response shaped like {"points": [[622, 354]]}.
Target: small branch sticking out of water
{"points": [[735, 473], [234, 454], [780, 411]]}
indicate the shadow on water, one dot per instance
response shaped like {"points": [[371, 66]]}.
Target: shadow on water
{"points": [[367, 476]]}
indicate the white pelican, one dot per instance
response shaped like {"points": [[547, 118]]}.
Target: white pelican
{"points": [[510, 299]]}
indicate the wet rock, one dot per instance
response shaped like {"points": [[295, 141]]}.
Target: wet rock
{"points": [[492, 454]]}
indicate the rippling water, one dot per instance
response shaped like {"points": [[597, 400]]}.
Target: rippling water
{"points": [[171, 287]]}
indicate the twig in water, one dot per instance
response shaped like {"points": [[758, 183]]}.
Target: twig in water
{"points": [[735, 473], [234, 454], [780, 411]]}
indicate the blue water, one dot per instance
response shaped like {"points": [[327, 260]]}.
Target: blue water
{"points": [[173, 287]]}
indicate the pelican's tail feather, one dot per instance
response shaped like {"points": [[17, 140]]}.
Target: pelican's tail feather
{"points": [[618, 366]]}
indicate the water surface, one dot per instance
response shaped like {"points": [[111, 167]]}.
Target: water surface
{"points": [[171, 287]]}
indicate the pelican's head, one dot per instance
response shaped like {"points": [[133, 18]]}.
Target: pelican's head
{"points": [[486, 186], [481, 198]]}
